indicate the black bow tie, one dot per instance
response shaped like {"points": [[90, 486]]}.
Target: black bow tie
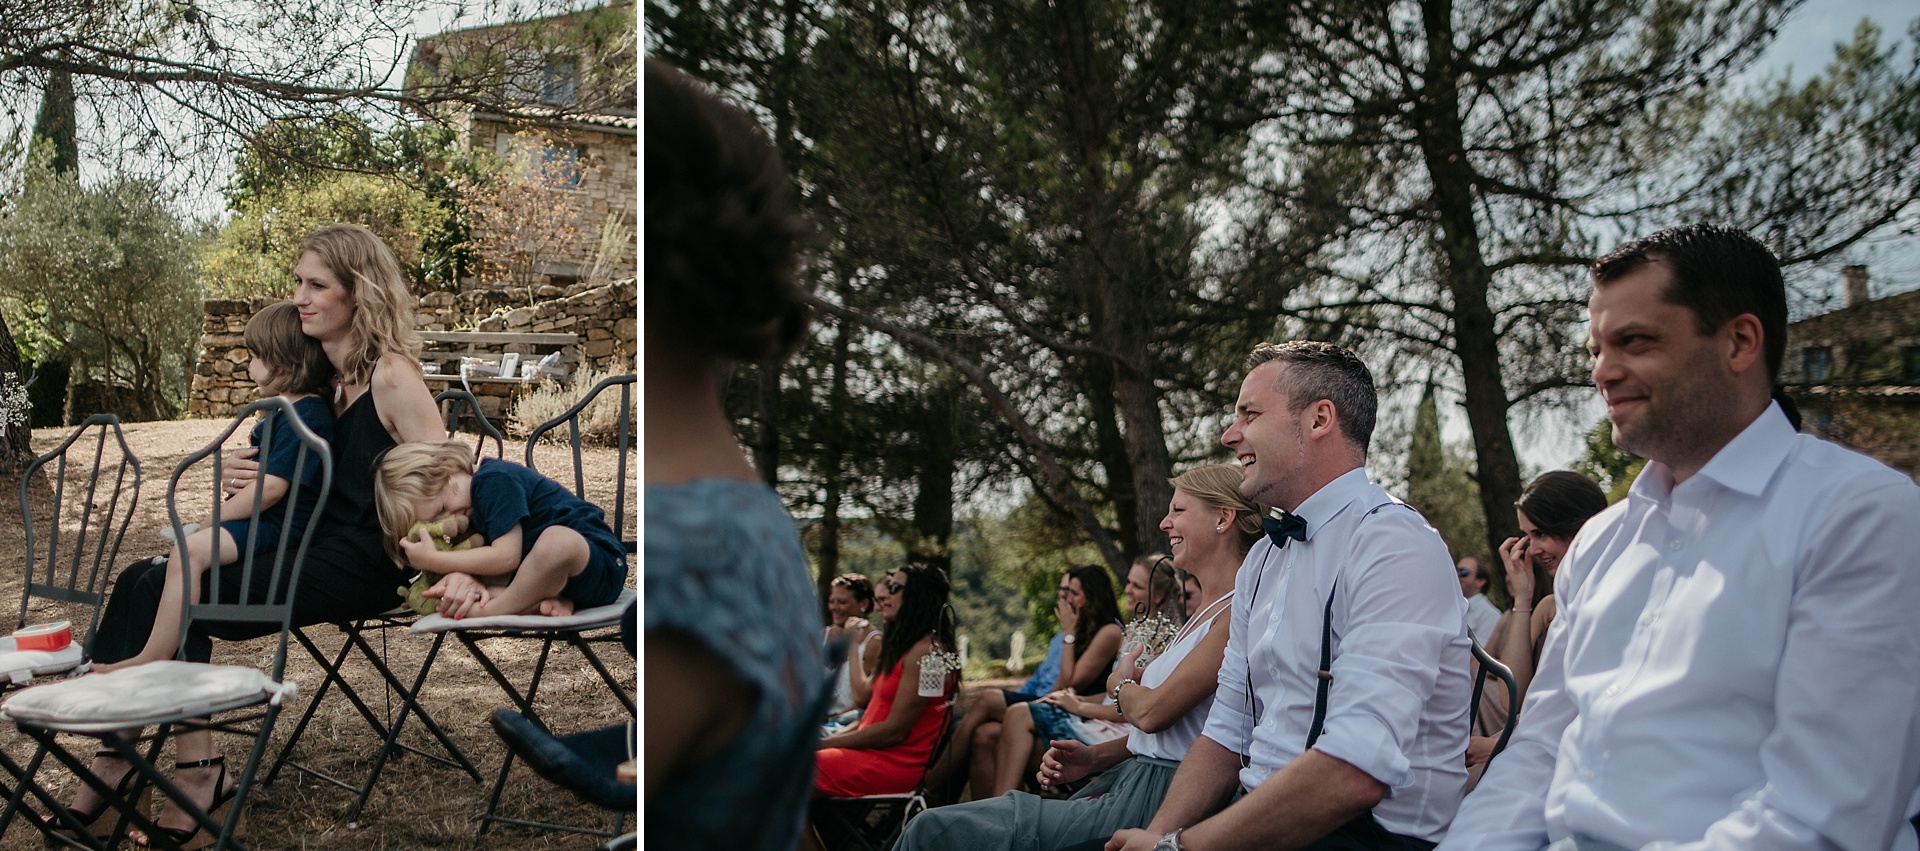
{"points": [[1287, 525]]}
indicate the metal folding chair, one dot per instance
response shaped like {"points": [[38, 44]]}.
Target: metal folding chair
{"points": [[581, 636], [172, 696], [354, 637], [1490, 665], [72, 549], [875, 822]]}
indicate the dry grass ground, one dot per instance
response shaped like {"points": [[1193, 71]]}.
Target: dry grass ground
{"points": [[418, 804]]}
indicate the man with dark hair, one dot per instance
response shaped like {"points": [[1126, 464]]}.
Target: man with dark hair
{"points": [[1736, 660], [1482, 616], [1342, 705]]}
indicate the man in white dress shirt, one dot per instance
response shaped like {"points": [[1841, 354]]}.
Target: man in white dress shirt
{"points": [[1362, 580], [1482, 616], [1736, 659]]}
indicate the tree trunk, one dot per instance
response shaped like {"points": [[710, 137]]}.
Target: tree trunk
{"points": [[933, 501], [1115, 277], [1467, 278], [832, 447]]}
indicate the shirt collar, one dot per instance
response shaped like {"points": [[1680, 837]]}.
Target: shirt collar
{"points": [[1745, 464], [1331, 499]]}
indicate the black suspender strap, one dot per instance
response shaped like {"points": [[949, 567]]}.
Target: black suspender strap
{"points": [[1326, 648], [1326, 668]]}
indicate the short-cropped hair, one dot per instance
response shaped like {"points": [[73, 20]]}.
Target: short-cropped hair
{"points": [[1316, 371], [1718, 273]]}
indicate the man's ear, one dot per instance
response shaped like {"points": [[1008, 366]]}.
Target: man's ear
{"points": [[1743, 343], [1322, 419]]}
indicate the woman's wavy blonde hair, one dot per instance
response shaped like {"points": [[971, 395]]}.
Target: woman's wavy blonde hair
{"points": [[408, 474], [383, 308], [1218, 485]]}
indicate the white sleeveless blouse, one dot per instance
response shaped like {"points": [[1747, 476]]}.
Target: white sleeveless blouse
{"points": [[1173, 742]]}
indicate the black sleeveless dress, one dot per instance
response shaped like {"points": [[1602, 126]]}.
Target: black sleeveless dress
{"points": [[346, 574]]}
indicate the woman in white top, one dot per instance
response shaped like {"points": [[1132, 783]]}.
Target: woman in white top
{"points": [[848, 604], [1210, 528]]}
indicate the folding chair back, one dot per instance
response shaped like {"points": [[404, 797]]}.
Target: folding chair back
{"points": [[451, 402], [74, 545], [1490, 665], [258, 587], [267, 575], [588, 409]]}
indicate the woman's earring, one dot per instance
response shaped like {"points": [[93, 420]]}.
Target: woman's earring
{"points": [[1220, 528]]}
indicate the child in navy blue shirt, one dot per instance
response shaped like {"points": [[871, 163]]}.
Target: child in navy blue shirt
{"points": [[535, 546], [282, 362]]}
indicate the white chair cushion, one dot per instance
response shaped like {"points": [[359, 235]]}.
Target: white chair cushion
{"points": [[597, 616], [20, 666], [142, 695]]}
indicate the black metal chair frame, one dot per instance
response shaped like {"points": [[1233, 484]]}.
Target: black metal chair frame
{"points": [[1490, 665], [388, 730], [255, 721], [92, 547], [581, 639]]}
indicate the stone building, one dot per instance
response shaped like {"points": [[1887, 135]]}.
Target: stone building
{"points": [[567, 122], [1855, 372]]}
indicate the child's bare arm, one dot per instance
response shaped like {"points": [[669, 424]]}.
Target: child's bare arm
{"points": [[239, 505], [499, 556]]}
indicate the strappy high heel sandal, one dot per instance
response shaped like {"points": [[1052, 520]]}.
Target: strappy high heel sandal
{"points": [[196, 838], [101, 822]]}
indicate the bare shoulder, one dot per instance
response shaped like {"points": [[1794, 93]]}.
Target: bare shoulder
{"points": [[396, 371]]}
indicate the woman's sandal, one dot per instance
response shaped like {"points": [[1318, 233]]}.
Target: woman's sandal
{"points": [[104, 817], [191, 840]]}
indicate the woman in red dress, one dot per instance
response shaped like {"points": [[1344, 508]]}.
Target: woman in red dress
{"points": [[888, 751]]}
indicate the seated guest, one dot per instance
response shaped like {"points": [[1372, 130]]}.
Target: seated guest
{"points": [[888, 751], [1735, 665], [1342, 707], [1482, 616], [1551, 509], [1152, 593], [1153, 587], [988, 709], [1211, 529], [1087, 602], [848, 604]]}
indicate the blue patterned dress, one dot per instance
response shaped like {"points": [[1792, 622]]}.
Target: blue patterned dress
{"points": [[723, 564]]}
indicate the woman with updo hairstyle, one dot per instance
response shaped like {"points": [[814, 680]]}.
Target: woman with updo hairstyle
{"points": [[1551, 511], [732, 664], [849, 602]]}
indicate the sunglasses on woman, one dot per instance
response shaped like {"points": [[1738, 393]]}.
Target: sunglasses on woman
{"points": [[894, 587]]}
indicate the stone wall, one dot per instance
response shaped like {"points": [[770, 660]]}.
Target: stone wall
{"points": [[605, 318]]}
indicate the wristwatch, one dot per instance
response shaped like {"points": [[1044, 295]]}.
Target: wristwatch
{"points": [[1170, 842], [1068, 638]]}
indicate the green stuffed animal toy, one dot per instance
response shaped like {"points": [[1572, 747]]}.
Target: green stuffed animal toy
{"points": [[415, 591]]}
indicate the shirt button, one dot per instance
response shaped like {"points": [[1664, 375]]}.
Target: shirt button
{"points": [[1586, 774], [1675, 543], [1646, 620], [1612, 690]]}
